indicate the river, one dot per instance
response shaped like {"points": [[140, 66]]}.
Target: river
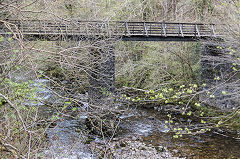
{"points": [[146, 126]]}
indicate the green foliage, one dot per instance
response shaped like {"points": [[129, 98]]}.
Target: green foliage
{"points": [[184, 96], [17, 113], [9, 39], [169, 95], [202, 7], [152, 66], [2, 101], [21, 90], [1, 38]]}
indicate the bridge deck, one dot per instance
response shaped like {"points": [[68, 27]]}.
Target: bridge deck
{"points": [[128, 31]]}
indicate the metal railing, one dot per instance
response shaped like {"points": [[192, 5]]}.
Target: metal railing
{"points": [[109, 28]]}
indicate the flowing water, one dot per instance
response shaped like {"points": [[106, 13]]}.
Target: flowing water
{"points": [[150, 126], [64, 137], [67, 143]]}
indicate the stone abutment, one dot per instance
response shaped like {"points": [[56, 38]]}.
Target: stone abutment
{"points": [[218, 76], [101, 72]]}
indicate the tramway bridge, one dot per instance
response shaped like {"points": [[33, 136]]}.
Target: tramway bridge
{"points": [[102, 74], [126, 31]]}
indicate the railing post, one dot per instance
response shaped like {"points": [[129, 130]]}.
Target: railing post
{"points": [[150, 30], [213, 30], [145, 28], [181, 29], [44, 27], [107, 28], [128, 32], [20, 26], [87, 31], [197, 30], [66, 29], [164, 29]]}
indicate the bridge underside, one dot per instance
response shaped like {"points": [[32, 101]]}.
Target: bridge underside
{"points": [[163, 38]]}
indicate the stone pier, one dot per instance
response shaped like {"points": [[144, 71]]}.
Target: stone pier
{"points": [[218, 75], [101, 72]]}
